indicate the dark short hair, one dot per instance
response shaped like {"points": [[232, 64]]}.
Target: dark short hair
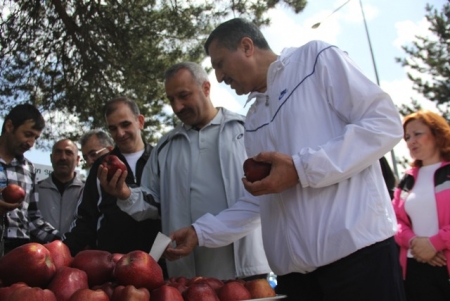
{"points": [[103, 137], [438, 126], [22, 113], [198, 72], [112, 105], [230, 33]]}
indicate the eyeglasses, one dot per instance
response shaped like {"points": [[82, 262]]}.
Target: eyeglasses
{"points": [[93, 154]]}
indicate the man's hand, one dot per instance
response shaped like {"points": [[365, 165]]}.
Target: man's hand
{"points": [[185, 241], [5, 207], [422, 249], [116, 186], [283, 174]]}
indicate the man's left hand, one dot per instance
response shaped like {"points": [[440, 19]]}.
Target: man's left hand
{"points": [[283, 174], [116, 186]]}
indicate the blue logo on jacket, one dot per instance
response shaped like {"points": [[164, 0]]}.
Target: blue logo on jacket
{"points": [[282, 94]]}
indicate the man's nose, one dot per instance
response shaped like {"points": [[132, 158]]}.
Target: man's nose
{"points": [[219, 75]]}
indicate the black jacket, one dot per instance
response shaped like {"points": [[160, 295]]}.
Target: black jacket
{"points": [[101, 225]]}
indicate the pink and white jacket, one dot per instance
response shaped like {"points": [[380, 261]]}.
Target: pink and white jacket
{"points": [[440, 241]]}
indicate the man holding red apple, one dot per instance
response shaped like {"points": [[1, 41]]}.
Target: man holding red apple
{"points": [[326, 215], [100, 224], [196, 169], [21, 221]]}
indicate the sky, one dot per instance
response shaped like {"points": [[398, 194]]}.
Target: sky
{"points": [[391, 24]]}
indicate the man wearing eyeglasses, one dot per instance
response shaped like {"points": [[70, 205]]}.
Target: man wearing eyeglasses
{"points": [[95, 144]]}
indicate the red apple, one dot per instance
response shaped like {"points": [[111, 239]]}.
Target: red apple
{"points": [[13, 194], [107, 287], [138, 268], [32, 294], [166, 293], [194, 280], [31, 263], [260, 288], [113, 163], [232, 291], [182, 280], [116, 256], [86, 294], [67, 281], [200, 291], [180, 287], [97, 264], [255, 170], [212, 282], [60, 253], [5, 292], [131, 293]]}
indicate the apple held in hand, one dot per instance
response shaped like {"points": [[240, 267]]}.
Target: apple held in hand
{"points": [[13, 194], [30, 263], [255, 170], [113, 163]]}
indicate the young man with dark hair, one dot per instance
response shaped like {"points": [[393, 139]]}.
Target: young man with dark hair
{"points": [[19, 222]]}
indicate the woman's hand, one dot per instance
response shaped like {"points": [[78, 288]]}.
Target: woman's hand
{"points": [[422, 249]]}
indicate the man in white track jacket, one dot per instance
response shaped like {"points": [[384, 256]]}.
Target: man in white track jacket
{"points": [[327, 220]]}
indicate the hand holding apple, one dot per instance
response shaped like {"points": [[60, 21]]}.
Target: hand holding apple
{"points": [[13, 194], [256, 170], [283, 174], [113, 164]]}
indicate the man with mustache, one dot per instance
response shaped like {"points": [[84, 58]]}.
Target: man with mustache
{"points": [[18, 222], [195, 169], [60, 192]]}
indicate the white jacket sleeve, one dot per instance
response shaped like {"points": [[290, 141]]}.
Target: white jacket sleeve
{"points": [[372, 124], [229, 225], [141, 204]]}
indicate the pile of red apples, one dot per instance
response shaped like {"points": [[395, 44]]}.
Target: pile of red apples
{"points": [[48, 272]]}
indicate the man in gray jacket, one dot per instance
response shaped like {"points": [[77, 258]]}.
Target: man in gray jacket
{"points": [[60, 192], [195, 169]]}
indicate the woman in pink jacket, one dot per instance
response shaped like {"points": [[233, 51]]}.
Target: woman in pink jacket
{"points": [[422, 206]]}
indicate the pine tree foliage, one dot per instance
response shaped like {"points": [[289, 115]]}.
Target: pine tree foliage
{"points": [[429, 57], [70, 57]]}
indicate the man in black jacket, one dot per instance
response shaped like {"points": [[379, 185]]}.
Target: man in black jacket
{"points": [[100, 224]]}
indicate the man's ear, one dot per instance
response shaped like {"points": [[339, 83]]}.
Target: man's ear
{"points": [[206, 88], [9, 127], [247, 46]]}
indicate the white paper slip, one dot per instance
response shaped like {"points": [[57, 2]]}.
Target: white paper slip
{"points": [[160, 244]]}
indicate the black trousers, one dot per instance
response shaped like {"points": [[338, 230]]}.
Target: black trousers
{"points": [[12, 243], [370, 274], [424, 282]]}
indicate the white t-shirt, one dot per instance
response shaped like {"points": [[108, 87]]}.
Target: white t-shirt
{"points": [[420, 204], [132, 159]]}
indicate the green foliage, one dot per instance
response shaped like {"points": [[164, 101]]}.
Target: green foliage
{"points": [[430, 57], [70, 57]]}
